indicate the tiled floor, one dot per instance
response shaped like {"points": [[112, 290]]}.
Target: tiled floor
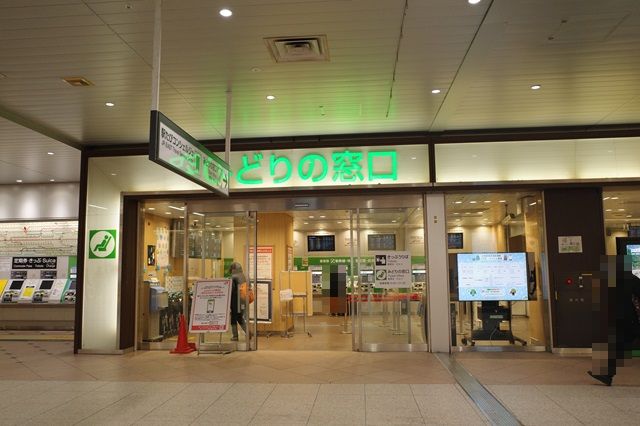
{"points": [[44, 383]]}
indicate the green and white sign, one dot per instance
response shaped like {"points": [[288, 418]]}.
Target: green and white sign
{"points": [[102, 244], [173, 148], [329, 167]]}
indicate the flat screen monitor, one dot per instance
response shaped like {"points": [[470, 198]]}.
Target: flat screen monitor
{"points": [[46, 285], [454, 240], [321, 243], [16, 285], [492, 277], [381, 242]]}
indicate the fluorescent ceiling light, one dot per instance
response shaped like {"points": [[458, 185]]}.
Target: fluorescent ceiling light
{"points": [[109, 104], [50, 153], [196, 213], [270, 97], [502, 201], [536, 87], [614, 198], [97, 207], [225, 13], [533, 204], [458, 202], [474, 1], [176, 208], [167, 212], [19, 180], [605, 198], [435, 91], [472, 202], [52, 180]]}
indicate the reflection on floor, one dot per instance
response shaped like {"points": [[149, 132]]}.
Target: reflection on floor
{"points": [[519, 326], [43, 336], [326, 333], [303, 387]]}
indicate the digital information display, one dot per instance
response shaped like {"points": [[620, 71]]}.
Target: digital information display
{"points": [[321, 243], [492, 276], [633, 250], [381, 242]]}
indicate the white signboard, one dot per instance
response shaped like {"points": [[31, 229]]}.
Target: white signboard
{"points": [[173, 148], [210, 306], [392, 269], [265, 262], [262, 298], [570, 244]]}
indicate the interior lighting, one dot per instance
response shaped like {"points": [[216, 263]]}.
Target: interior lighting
{"points": [[472, 202], [614, 198], [605, 198], [225, 13], [458, 202], [435, 91], [629, 215], [114, 174], [533, 204], [270, 97], [620, 210], [196, 213], [394, 221], [177, 208], [339, 221], [97, 207], [456, 213], [167, 212], [151, 208], [19, 180], [487, 201], [413, 158], [50, 153], [322, 216], [608, 210], [311, 217], [109, 104], [306, 223], [536, 87], [52, 180], [474, 1], [502, 201]]}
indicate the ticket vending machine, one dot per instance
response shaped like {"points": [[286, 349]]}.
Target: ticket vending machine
{"points": [[158, 301], [12, 291], [69, 295], [28, 289], [57, 290]]}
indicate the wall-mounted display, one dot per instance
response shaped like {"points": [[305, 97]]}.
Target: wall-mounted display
{"points": [[321, 243], [455, 240], [381, 242]]}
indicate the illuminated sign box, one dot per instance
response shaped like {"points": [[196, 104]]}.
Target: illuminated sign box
{"points": [[330, 167], [173, 148]]}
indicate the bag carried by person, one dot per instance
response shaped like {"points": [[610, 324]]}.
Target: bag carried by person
{"points": [[246, 292]]}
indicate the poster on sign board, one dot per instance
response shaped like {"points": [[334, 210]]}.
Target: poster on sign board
{"points": [[210, 306], [392, 269]]}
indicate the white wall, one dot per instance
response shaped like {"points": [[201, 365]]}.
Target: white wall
{"points": [[101, 277], [39, 201]]}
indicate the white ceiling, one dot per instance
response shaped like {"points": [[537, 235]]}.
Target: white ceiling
{"points": [[584, 53]]}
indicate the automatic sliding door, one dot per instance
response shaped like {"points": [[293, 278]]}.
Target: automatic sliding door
{"points": [[390, 291]]}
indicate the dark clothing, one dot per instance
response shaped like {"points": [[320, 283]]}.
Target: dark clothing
{"points": [[237, 306]]}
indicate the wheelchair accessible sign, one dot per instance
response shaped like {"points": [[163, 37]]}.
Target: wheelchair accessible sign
{"points": [[102, 244]]}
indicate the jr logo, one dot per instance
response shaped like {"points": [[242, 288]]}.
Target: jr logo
{"points": [[102, 244]]}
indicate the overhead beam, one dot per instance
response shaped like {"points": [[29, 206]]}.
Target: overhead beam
{"points": [[39, 128]]}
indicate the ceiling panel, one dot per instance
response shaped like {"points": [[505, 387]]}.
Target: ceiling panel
{"points": [[483, 58]]}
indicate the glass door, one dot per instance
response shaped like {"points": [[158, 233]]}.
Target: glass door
{"points": [[219, 247], [389, 280]]}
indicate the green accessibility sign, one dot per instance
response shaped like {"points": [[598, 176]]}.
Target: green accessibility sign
{"points": [[102, 244]]}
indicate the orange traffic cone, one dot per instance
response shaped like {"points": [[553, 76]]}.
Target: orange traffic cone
{"points": [[183, 346]]}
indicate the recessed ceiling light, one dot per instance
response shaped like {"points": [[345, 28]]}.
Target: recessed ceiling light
{"points": [[256, 69], [339, 221], [227, 228], [472, 202], [614, 198], [620, 210], [629, 215], [502, 201], [177, 208], [605, 198], [19, 180], [608, 210], [182, 217], [306, 223], [533, 204], [225, 13], [50, 153], [109, 104], [467, 213], [458, 202], [207, 223], [167, 212], [487, 201], [113, 174], [474, 1], [394, 221], [322, 216], [52, 180], [151, 208], [413, 158], [311, 217], [456, 213], [217, 226], [435, 91], [536, 87], [270, 97]]}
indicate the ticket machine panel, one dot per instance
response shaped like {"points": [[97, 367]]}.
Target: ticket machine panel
{"points": [[12, 291], [41, 295], [28, 289], [57, 290]]}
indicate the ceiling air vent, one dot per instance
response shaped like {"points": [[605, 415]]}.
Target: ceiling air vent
{"points": [[77, 81], [298, 49]]}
